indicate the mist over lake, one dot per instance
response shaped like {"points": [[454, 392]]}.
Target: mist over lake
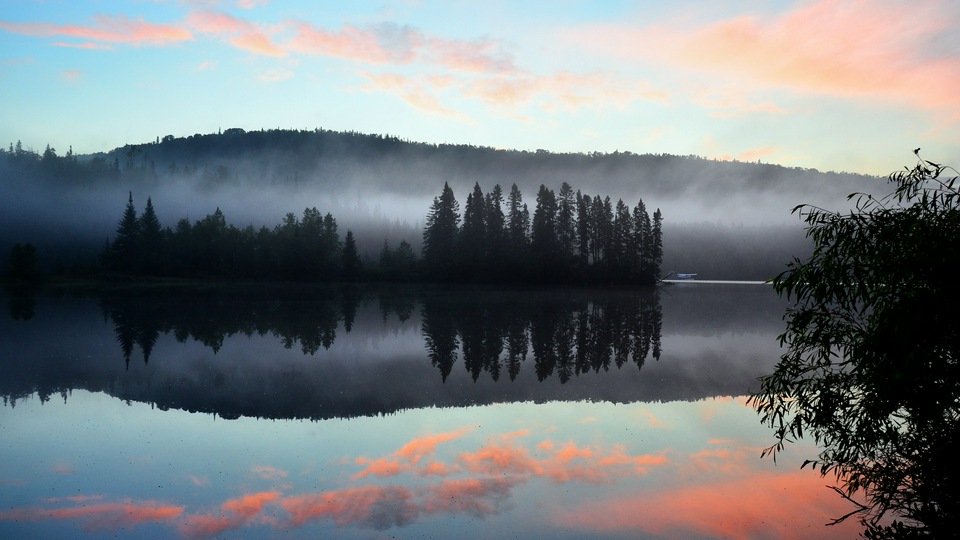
{"points": [[726, 220]]}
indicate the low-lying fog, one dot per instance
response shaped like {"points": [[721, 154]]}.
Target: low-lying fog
{"points": [[722, 220]]}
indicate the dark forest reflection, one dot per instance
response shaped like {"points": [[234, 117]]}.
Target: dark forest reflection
{"points": [[567, 333]]}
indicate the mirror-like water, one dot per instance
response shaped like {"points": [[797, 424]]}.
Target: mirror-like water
{"points": [[264, 412]]}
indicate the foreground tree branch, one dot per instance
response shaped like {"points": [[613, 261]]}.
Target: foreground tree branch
{"points": [[871, 345]]}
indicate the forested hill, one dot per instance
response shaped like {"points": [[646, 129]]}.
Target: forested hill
{"points": [[348, 160]]}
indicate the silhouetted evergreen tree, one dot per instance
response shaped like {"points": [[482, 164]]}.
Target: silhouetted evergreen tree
{"points": [[440, 236], [351, 260], [473, 235], [151, 240], [543, 234], [656, 244], [566, 222], [518, 230], [124, 250], [497, 247]]}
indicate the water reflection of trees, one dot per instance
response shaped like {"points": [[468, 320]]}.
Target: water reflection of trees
{"points": [[568, 334], [308, 319]]}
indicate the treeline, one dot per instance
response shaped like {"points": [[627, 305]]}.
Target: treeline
{"points": [[307, 248], [571, 237]]}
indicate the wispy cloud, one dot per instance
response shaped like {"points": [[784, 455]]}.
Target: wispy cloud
{"points": [[106, 29], [101, 516], [88, 45], [859, 49], [409, 455], [391, 43], [418, 92], [235, 513], [238, 32]]}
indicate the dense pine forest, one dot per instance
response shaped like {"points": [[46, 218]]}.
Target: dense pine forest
{"points": [[571, 238]]}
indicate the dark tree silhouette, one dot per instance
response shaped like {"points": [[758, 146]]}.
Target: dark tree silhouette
{"points": [[872, 346], [441, 236], [351, 260], [125, 247]]}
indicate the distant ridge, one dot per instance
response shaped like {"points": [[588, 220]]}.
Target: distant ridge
{"points": [[324, 157]]}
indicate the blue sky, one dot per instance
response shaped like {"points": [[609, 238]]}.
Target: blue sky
{"points": [[828, 84]]}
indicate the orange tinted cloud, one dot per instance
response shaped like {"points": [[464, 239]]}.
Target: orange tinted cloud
{"points": [[873, 49], [408, 455], [107, 29], [352, 43], [501, 460], [237, 513], [762, 505], [239, 33], [377, 507], [565, 463], [89, 46], [104, 516]]}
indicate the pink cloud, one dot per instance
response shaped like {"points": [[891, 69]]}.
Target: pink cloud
{"points": [[377, 507], [501, 460], [103, 516], [239, 33], [408, 455], [765, 505], [88, 45], [481, 56], [861, 49], [380, 467], [236, 513], [395, 44], [106, 29], [352, 43]]}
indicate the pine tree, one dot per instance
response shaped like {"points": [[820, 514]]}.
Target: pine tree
{"points": [[350, 260], [125, 245], [496, 231], [473, 234], [151, 239], [656, 244], [440, 236], [566, 233], [518, 221]]}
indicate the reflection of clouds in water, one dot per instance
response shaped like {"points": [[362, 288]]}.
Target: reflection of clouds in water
{"points": [[644, 484], [752, 505], [106, 516]]}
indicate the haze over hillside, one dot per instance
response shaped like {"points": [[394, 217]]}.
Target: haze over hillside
{"points": [[723, 219]]}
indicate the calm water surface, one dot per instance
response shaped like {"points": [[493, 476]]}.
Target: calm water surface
{"points": [[397, 413]]}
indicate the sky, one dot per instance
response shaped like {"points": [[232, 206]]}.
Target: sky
{"points": [[826, 84]]}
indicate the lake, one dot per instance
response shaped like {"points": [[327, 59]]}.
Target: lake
{"points": [[397, 412]]}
